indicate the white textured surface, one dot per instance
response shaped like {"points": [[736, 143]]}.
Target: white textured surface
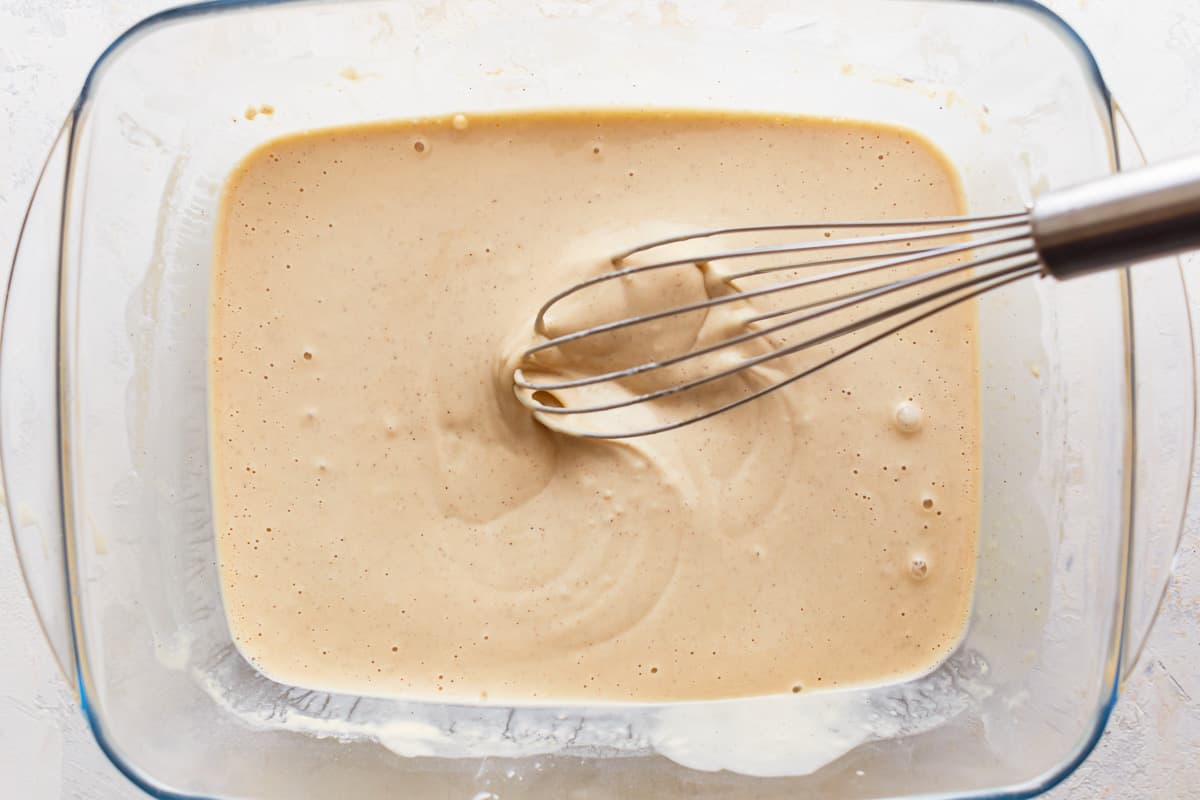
{"points": [[1150, 55]]}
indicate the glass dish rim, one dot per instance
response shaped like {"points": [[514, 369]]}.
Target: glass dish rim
{"points": [[1109, 113]]}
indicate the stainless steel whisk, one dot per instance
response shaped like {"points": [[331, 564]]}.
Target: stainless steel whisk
{"points": [[1102, 224]]}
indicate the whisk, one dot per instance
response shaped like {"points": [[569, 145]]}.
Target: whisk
{"points": [[891, 279]]}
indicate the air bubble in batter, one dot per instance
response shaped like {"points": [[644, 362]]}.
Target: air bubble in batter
{"points": [[918, 568], [908, 417]]}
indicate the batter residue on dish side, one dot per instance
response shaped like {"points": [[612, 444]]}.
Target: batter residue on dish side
{"points": [[392, 521]]}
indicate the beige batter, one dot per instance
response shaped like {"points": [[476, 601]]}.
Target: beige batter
{"points": [[391, 520]]}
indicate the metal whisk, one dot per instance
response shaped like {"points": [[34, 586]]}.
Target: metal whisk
{"points": [[883, 281]]}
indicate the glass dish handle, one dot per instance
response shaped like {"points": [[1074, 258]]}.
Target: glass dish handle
{"points": [[29, 412], [1164, 407]]}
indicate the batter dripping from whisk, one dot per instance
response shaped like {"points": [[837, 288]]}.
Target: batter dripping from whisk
{"points": [[392, 521]]}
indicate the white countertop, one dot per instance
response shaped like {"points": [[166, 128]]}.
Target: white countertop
{"points": [[1150, 55]]}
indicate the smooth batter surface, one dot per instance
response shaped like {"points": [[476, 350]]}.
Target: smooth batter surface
{"points": [[391, 520]]}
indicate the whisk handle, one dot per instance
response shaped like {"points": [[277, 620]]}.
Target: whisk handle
{"points": [[1124, 218]]}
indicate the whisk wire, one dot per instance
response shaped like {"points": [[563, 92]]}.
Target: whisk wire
{"points": [[1015, 274], [1022, 269], [741, 296], [970, 225], [824, 307], [1014, 216]]}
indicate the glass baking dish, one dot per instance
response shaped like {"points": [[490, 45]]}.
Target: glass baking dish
{"points": [[1088, 399]]}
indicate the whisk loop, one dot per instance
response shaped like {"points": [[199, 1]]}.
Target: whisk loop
{"points": [[1015, 262]]}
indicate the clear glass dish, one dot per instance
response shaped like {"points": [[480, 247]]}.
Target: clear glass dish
{"points": [[1088, 400]]}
